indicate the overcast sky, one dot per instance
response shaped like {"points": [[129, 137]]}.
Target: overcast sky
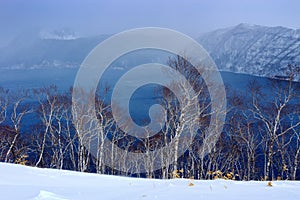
{"points": [[90, 17]]}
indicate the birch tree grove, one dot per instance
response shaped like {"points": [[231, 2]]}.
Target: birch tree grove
{"points": [[17, 115], [45, 127], [274, 115]]}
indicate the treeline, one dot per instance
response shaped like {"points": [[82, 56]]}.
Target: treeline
{"points": [[260, 139]]}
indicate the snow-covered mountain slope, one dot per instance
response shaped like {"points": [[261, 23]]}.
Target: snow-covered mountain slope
{"points": [[20, 183], [34, 51], [62, 34], [253, 49]]}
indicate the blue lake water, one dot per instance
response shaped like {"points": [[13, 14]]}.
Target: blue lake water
{"points": [[64, 78], [140, 102]]}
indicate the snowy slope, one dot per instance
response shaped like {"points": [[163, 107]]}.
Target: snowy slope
{"points": [[20, 182], [253, 49], [33, 51]]}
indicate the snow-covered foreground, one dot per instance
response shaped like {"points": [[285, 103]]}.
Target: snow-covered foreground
{"points": [[20, 182]]}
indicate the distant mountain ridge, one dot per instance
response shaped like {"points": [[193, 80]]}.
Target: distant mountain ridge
{"points": [[37, 51], [251, 49]]}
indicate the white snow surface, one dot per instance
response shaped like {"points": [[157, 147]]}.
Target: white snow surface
{"points": [[21, 182]]}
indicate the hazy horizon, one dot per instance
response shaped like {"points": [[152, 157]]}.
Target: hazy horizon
{"points": [[93, 17]]}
